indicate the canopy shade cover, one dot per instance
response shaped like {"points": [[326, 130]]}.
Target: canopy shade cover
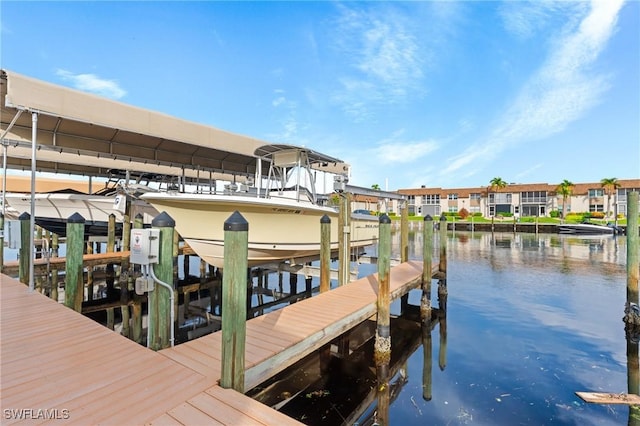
{"points": [[80, 133]]}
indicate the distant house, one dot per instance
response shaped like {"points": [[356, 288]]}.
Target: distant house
{"points": [[534, 199]]}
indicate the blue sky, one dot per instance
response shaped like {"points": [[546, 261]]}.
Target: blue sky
{"points": [[444, 94]]}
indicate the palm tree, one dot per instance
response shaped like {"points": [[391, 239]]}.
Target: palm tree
{"points": [[375, 187], [610, 185], [496, 184], [565, 189]]}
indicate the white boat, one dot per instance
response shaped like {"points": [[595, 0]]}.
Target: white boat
{"points": [[52, 209], [585, 229], [283, 211]]}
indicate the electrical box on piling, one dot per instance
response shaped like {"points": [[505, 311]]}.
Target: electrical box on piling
{"points": [[13, 234], [145, 246], [145, 250]]}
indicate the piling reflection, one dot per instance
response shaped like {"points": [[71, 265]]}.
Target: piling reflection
{"points": [[382, 413], [342, 385], [633, 372], [427, 360]]}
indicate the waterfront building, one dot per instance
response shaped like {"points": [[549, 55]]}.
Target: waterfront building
{"points": [[516, 199]]}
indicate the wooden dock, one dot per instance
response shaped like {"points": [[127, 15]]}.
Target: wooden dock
{"points": [[55, 362]]}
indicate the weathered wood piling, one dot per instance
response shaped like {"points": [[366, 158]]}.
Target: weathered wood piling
{"points": [[632, 312], [234, 313], [160, 305], [325, 253], [442, 267], [136, 308], [427, 254], [382, 348], [25, 244], [74, 280], [404, 232]]}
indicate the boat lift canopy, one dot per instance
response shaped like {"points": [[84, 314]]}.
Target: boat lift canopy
{"points": [[80, 133]]}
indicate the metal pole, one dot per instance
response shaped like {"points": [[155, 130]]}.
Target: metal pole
{"points": [[4, 159], [32, 223]]}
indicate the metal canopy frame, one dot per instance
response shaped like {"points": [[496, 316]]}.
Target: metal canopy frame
{"points": [[72, 132], [79, 133]]}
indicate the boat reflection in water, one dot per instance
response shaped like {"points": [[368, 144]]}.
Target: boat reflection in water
{"points": [[530, 320]]}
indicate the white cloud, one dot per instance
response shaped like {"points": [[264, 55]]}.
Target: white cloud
{"points": [[289, 123], [525, 19], [383, 61], [277, 72], [404, 152], [560, 92], [94, 84], [528, 171]]}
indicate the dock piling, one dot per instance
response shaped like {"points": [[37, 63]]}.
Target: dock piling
{"points": [[136, 308], [382, 348], [234, 313], [325, 253], [442, 268], [632, 318], [427, 268], [25, 242], [160, 304], [404, 232], [74, 280], [125, 280], [110, 271], [344, 239], [54, 271]]}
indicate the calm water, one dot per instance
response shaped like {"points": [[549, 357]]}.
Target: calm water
{"points": [[529, 321]]}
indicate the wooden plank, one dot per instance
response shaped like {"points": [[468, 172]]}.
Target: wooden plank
{"points": [[223, 413], [189, 415], [57, 389], [609, 398], [57, 361], [62, 359], [148, 391], [142, 386], [164, 420], [278, 362], [60, 262], [264, 341], [198, 361], [251, 407]]}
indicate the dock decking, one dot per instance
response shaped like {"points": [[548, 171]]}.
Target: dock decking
{"points": [[54, 359]]}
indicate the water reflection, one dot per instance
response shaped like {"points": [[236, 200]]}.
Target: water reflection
{"points": [[633, 376], [524, 321]]}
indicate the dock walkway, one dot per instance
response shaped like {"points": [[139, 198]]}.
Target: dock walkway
{"points": [[54, 359]]}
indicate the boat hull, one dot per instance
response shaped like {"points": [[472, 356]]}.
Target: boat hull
{"points": [[53, 209], [279, 230], [584, 229]]}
